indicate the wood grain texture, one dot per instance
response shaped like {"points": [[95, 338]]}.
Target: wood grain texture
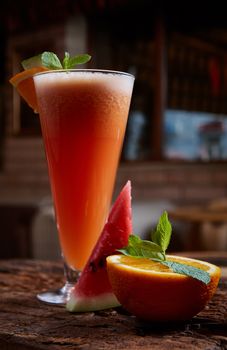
{"points": [[26, 323]]}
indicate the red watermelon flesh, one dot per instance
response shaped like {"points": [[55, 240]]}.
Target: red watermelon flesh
{"points": [[93, 290]]}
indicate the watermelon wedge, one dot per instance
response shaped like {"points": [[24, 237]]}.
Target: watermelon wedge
{"points": [[93, 291]]}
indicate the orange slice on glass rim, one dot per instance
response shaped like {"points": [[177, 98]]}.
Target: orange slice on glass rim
{"points": [[152, 291], [24, 84]]}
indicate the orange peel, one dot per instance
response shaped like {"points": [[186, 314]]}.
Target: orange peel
{"points": [[24, 84]]}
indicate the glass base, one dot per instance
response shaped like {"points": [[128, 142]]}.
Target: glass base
{"points": [[58, 296]]}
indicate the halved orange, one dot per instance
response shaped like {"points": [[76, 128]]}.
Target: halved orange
{"points": [[24, 84], [151, 291]]}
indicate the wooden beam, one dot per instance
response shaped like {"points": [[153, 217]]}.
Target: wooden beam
{"points": [[160, 89]]}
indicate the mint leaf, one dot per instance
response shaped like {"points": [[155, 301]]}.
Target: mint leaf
{"points": [[187, 270], [162, 234], [142, 249], [132, 248], [35, 61], [45, 59], [71, 62], [151, 251], [134, 239], [50, 60]]}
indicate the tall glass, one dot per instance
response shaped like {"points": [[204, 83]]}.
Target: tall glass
{"points": [[83, 115]]}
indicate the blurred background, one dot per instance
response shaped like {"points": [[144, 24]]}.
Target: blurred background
{"points": [[175, 149]]}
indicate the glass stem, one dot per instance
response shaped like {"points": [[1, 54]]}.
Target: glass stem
{"points": [[70, 274]]}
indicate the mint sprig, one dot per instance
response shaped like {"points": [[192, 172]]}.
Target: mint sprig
{"points": [[142, 248], [50, 60], [155, 250]]}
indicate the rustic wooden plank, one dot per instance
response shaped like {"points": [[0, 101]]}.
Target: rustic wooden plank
{"points": [[26, 323]]}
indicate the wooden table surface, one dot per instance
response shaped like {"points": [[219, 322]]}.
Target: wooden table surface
{"points": [[26, 323]]}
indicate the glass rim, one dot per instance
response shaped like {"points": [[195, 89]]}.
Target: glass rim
{"points": [[84, 70]]}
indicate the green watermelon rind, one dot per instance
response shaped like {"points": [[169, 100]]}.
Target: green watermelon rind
{"points": [[96, 303]]}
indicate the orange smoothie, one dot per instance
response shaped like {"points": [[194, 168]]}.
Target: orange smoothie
{"points": [[83, 117]]}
